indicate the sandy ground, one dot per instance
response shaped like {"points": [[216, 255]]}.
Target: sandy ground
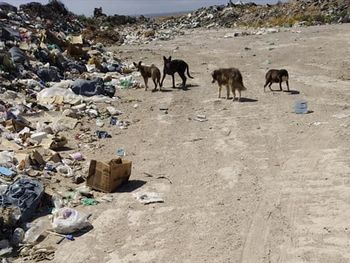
{"points": [[256, 182]]}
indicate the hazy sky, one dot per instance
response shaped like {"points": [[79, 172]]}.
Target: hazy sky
{"points": [[135, 6]]}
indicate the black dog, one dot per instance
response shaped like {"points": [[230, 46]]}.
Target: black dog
{"points": [[173, 66]]}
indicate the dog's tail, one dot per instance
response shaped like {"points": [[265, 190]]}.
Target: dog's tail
{"points": [[188, 72], [241, 86], [237, 81]]}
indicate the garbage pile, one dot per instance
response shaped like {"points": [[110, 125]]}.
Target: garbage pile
{"points": [[41, 169], [106, 29], [42, 172], [250, 15], [54, 83], [309, 12]]}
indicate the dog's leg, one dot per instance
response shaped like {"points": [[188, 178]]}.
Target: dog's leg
{"points": [[239, 94], [227, 91], [158, 80], [280, 85], [173, 76], [287, 85], [267, 83], [183, 77], [270, 86], [234, 94], [161, 83], [155, 84], [220, 87], [146, 83]]}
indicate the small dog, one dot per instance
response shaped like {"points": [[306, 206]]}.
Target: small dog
{"points": [[149, 72], [231, 78], [173, 66], [276, 76]]}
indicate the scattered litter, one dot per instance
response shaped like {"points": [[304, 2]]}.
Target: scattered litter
{"points": [[113, 121], [24, 194], [158, 177], [34, 232], [6, 172], [127, 82], [148, 198], [99, 123], [318, 123], [120, 152], [200, 118], [342, 115], [300, 107], [89, 201], [68, 220], [63, 237], [77, 156], [107, 177], [17, 236], [5, 247], [103, 134]]}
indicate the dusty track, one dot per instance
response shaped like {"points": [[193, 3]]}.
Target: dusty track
{"points": [[256, 182]]}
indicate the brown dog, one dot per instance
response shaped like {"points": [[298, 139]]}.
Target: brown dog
{"points": [[149, 72], [276, 76], [231, 78]]}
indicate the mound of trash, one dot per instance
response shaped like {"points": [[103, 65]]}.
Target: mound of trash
{"points": [[308, 12]]}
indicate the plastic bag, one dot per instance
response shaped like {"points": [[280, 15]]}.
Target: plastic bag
{"points": [[25, 194], [126, 82], [65, 170], [67, 220], [6, 157], [57, 96]]}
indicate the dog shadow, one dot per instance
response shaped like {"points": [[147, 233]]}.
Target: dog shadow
{"points": [[192, 85], [164, 90], [187, 88], [247, 100], [292, 92]]}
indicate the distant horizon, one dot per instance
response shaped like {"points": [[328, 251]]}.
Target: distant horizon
{"points": [[137, 7]]}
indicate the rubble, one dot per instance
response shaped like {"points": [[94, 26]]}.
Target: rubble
{"points": [[54, 73], [310, 12], [256, 18]]}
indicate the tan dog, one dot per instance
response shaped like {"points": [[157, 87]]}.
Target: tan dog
{"points": [[149, 72], [231, 78]]}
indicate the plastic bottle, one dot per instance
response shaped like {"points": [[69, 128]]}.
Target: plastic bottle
{"points": [[17, 236], [300, 107], [34, 232]]}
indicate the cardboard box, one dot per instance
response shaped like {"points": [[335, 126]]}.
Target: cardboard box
{"points": [[107, 177]]}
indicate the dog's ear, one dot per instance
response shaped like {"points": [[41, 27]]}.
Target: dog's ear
{"points": [[140, 63], [135, 64], [169, 58], [164, 58]]}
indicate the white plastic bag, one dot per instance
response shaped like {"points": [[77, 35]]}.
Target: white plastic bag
{"points": [[65, 170], [67, 221], [49, 96]]}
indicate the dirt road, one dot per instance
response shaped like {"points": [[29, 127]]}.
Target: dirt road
{"points": [[254, 183]]}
